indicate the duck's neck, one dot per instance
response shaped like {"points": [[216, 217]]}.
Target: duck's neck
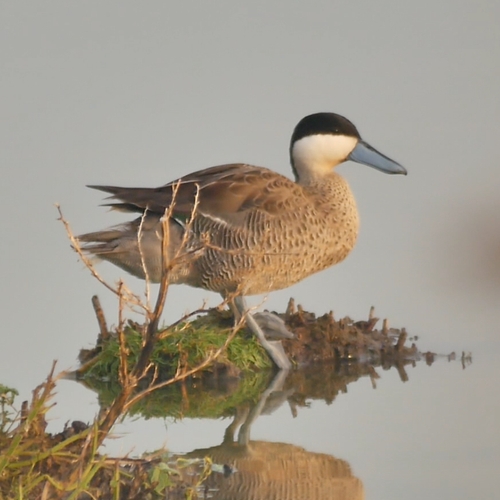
{"points": [[310, 178]]}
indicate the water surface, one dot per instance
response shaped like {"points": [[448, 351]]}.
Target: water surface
{"points": [[433, 436]]}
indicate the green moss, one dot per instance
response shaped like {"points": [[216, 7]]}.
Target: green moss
{"points": [[185, 345]]}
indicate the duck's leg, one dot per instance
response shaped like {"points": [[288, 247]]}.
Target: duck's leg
{"points": [[273, 326], [273, 347]]}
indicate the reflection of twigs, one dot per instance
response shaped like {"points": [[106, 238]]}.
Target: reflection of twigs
{"points": [[466, 359]]}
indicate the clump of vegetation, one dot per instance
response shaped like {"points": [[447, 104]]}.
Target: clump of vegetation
{"points": [[36, 464], [177, 349]]}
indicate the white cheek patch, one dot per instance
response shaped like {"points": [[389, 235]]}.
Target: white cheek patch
{"points": [[322, 150]]}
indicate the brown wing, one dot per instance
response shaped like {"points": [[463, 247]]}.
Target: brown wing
{"points": [[223, 191]]}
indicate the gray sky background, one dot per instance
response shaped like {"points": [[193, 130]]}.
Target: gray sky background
{"points": [[140, 93]]}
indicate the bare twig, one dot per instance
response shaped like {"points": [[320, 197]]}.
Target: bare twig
{"points": [[153, 318], [101, 320], [401, 340], [123, 375], [139, 371], [143, 260], [75, 244], [165, 331], [129, 379]]}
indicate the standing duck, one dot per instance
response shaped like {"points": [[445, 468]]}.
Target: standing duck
{"points": [[253, 230]]}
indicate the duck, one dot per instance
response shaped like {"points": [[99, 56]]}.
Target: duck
{"points": [[242, 230]]}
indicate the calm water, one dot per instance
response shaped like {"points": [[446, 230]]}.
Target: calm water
{"points": [[434, 436]]}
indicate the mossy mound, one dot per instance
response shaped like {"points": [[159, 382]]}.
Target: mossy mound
{"points": [[179, 348], [184, 346]]}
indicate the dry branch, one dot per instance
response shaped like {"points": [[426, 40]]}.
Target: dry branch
{"points": [[130, 378]]}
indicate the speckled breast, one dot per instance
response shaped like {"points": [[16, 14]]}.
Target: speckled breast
{"points": [[271, 252]]}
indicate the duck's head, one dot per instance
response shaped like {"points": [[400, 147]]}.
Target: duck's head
{"points": [[323, 140]]}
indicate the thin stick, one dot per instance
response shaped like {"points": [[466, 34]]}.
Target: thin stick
{"points": [[101, 320], [143, 261], [164, 332], [129, 380], [142, 364], [88, 264], [123, 368]]}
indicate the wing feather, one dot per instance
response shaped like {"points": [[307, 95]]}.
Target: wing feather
{"points": [[225, 192]]}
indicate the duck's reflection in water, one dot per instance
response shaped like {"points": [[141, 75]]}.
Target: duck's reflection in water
{"points": [[246, 469], [263, 470]]}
